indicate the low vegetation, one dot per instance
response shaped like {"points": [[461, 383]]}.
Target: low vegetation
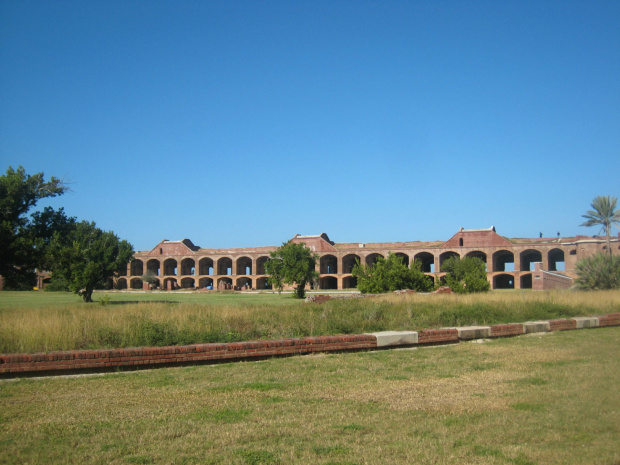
{"points": [[538, 399], [40, 322]]}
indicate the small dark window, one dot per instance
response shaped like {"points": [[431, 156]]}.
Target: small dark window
{"points": [[461, 242], [573, 252], [161, 251]]}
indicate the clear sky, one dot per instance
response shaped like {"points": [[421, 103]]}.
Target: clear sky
{"points": [[242, 123]]}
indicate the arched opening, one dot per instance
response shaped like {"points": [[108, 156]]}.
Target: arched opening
{"points": [[224, 284], [405, 258], [244, 265], [427, 260], [260, 265], [349, 261], [188, 267], [205, 283], [350, 282], [481, 255], [188, 283], [329, 265], [137, 267], [224, 266], [136, 283], [244, 283], [556, 260], [503, 281], [503, 260], [329, 282], [121, 283], [205, 267], [170, 284], [526, 281], [170, 267], [152, 266], [528, 257], [445, 256], [372, 258], [263, 283]]}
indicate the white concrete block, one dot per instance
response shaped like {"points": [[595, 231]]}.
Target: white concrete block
{"points": [[396, 338]]}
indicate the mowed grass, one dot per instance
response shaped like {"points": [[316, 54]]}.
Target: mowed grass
{"points": [[41, 322], [539, 399]]}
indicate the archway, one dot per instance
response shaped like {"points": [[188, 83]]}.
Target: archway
{"points": [[405, 258], [263, 283], [244, 283], [349, 282], [170, 267], [503, 281], [503, 260], [244, 265], [137, 267], [121, 283], [136, 283], [205, 267], [188, 267], [528, 257], [329, 282], [372, 258], [526, 281], [349, 261], [224, 284], [427, 260], [187, 283], [205, 283], [224, 266], [445, 256], [260, 265], [556, 260], [170, 283], [328, 265], [152, 266]]}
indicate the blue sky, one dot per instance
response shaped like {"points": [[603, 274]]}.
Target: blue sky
{"points": [[242, 123]]}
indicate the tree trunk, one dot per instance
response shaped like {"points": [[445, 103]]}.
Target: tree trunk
{"points": [[87, 295]]}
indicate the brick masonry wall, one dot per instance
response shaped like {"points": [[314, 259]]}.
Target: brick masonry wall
{"points": [[12, 365]]}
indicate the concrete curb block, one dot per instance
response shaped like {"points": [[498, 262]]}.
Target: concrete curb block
{"points": [[12, 365], [396, 338], [536, 327]]}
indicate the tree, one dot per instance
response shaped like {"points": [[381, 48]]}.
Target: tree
{"points": [[603, 214], [390, 274], [466, 275], [294, 264], [598, 272], [24, 239], [85, 257]]}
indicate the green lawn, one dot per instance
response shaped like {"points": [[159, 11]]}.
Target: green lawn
{"points": [[540, 399]]}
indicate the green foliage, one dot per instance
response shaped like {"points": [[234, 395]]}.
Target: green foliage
{"points": [[390, 274], [598, 272], [294, 264], [150, 278], [466, 275], [603, 214], [57, 284], [24, 239], [86, 257]]}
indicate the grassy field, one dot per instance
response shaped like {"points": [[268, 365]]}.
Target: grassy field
{"points": [[540, 399], [40, 322]]}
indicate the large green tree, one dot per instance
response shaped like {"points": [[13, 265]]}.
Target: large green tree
{"points": [[466, 275], [603, 214], [86, 257], [23, 238], [294, 264], [391, 274]]}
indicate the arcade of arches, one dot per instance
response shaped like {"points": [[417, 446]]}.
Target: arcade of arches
{"points": [[510, 263]]}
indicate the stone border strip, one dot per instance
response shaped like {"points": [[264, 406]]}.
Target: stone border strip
{"points": [[13, 365]]}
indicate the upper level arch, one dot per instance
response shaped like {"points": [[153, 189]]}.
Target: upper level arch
{"points": [[527, 257], [260, 264], [478, 254], [372, 258], [328, 265], [427, 260], [405, 258], [170, 267], [446, 255], [153, 266], [137, 267], [205, 267], [244, 266], [503, 260], [349, 261], [555, 258], [224, 266], [188, 267]]}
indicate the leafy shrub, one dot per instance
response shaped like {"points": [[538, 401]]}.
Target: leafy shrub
{"points": [[466, 275], [391, 274], [598, 272]]}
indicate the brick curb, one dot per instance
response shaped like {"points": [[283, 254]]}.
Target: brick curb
{"points": [[13, 365]]}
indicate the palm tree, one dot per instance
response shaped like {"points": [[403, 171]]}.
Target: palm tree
{"points": [[604, 214]]}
